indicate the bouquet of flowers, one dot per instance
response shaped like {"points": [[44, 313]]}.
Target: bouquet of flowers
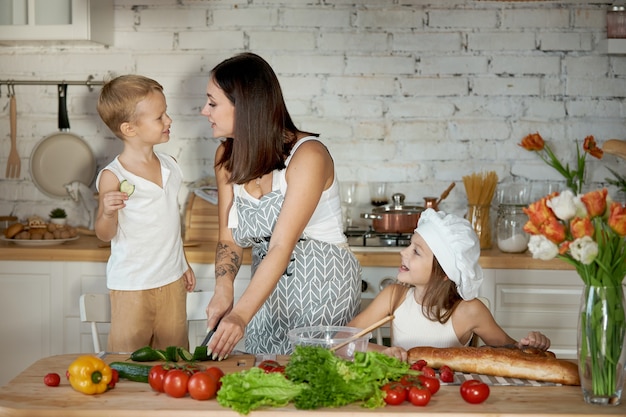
{"points": [[575, 177], [588, 232]]}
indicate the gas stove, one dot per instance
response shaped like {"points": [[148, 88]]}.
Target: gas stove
{"points": [[370, 238]]}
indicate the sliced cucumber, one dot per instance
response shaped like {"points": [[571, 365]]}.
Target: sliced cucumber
{"points": [[184, 354], [145, 354], [127, 187], [171, 353], [200, 353]]}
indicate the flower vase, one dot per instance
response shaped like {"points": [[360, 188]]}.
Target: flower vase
{"points": [[602, 344]]}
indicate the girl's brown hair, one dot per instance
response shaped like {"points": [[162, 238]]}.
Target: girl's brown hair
{"points": [[264, 131], [440, 295]]}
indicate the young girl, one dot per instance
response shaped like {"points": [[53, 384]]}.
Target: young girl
{"points": [[435, 302]]}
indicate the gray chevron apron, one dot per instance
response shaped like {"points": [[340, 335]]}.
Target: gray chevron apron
{"points": [[321, 285]]}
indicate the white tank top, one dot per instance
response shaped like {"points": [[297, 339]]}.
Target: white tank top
{"points": [[147, 250], [411, 328], [325, 225]]}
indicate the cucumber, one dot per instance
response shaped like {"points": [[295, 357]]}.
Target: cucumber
{"points": [[146, 354], [184, 354], [127, 187], [171, 353], [200, 354], [132, 371]]}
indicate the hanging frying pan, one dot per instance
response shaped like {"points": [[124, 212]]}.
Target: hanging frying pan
{"points": [[62, 157]]}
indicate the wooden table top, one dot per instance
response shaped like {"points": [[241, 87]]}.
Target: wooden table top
{"points": [[26, 395], [90, 249]]}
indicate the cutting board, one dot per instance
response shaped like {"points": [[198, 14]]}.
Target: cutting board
{"points": [[234, 363]]}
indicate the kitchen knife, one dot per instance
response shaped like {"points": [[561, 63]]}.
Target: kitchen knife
{"points": [[209, 333]]}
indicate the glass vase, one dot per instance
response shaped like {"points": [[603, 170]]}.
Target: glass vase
{"points": [[602, 344]]}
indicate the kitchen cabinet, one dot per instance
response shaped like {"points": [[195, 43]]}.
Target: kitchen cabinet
{"points": [[39, 309], [543, 300], [57, 20]]}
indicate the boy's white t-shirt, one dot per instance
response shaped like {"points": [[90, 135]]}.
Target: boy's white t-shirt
{"points": [[147, 250]]}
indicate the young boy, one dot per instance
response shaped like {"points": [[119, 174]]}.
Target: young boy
{"points": [[147, 273]]}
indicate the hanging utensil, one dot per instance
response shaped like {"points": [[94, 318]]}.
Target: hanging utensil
{"points": [[14, 162]]}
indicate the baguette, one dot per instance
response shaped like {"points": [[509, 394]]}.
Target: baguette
{"points": [[530, 363]]}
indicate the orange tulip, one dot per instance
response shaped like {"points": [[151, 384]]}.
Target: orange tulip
{"points": [[539, 213], [591, 147], [533, 142], [554, 230], [564, 247], [580, 227], [617, 218], [595, 202]]}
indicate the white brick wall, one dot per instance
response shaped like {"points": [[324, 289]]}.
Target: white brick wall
{"points": [[416, 92]]}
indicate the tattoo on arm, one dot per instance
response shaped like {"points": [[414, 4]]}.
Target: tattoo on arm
{"points": [[227, 261]]}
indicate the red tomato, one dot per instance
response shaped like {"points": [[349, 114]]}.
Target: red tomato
{"points": [[216, 373], [202, 386], [271, 366], [417, 366], [428, 371], [52, 379], [444, 368], [409, 381], [419, 396], [395, 393], [156, 376], [115, 376], [430, 383], [446, 375], [175, 383], [474, 391]]}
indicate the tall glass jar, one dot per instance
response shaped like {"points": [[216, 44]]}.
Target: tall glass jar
{"points": [[510, 233]]}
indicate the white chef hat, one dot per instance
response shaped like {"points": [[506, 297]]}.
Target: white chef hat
{"points": [[454, 243]]}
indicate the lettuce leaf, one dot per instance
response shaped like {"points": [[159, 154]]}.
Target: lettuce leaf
{"points": [[248, 390]]}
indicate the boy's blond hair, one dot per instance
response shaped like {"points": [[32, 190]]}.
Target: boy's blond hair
{"points": [[119, 97]]}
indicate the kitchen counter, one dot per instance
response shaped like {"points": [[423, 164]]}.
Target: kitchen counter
{"points": [[91, 249], [26, 395]]}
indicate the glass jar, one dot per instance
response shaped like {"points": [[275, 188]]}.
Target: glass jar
{"points": [[510, 228]]}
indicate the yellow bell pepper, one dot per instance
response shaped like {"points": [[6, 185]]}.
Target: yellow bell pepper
{"points": [[89, 375]]}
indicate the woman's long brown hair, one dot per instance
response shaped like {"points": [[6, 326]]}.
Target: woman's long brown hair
{"points": [[264, 131]]}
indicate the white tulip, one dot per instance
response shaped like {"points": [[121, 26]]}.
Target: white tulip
{"points": [[542, 248]]}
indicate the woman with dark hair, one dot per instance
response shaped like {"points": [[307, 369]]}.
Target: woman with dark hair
{"points": [[278, 193]]}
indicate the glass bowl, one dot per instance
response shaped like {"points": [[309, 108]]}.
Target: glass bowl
{"points": [[329, 337]]}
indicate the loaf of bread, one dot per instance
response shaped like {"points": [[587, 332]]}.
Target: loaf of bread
{"points": [[13, 230], [529, 363]]}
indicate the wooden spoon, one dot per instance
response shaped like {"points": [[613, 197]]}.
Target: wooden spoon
{"points": [[363, 332]]}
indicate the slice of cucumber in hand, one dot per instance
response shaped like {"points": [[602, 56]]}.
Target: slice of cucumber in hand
{"points": [[127, 187]]}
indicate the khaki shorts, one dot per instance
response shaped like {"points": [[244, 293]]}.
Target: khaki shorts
{"points": [[156, 317]]}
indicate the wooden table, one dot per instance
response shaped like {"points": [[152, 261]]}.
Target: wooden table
{"points": [[26, 395]]}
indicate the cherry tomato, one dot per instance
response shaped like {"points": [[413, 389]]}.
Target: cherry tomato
{"points": [[446, 375], [202, 386], [156, 376], [428, 371], [419, 396], [474, 391], [409, 381], [175, 383], [417, 366], [52, 379], [271, 366], [115, 376], [216, 373], [430, 383], [395, 393]]}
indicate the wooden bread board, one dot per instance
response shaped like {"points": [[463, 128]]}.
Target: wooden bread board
{"points": [[201, 220]]}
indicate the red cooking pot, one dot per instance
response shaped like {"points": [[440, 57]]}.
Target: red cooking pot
{"points": [[395, 217]]}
